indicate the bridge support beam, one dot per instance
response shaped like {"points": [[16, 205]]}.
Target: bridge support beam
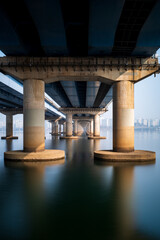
{"points": [[96, 128], [34, 129], [9, 127]]}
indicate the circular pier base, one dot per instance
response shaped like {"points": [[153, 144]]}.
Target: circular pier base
{"points": [[46, 155], [55, 134], [71, 137], [135, 156], [11, 137], [94, 137]]}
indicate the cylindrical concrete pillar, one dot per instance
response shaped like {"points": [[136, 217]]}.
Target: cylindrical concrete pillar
{"points": [[91, 127], [123, 116], [53, 126], [75, 127], [60, 128], [96, 125], [69, 124], [64, 127], [34, 115], [9, 125], [56, 127]]}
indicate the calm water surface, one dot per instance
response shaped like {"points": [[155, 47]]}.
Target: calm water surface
{"points": [[80, 199]]}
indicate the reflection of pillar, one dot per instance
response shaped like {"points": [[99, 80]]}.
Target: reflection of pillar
{"points": [[33, 110], [123, 116], [123, 183], [96, 125], [69, 150], [91, 127], [69, 124], [75, 127]]}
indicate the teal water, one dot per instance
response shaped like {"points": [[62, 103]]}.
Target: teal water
{"points": [[80, 198]]}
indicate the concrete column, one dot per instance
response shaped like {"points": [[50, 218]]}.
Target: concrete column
{"points": [[96, 125], [56, 127], [53, 126], [91, 127], [9, 125], [69, 124], [60, 128], [64, 127], [123, 116], [34, 115], [75, 127]]}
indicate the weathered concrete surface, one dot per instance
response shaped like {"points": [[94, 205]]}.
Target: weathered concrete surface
{"points": [[91, 128], [104, 69], [46, 155], [135, 156], [40, 165], [68, 124], [96, 125], [123, 116], [33, 108]]}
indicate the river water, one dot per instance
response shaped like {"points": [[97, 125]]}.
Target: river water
{"points": [[80, 198]]}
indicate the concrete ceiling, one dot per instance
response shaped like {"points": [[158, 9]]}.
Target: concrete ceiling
{"points": [[79, 28]]}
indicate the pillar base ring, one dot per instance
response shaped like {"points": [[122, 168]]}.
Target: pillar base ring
{"points": [[46, 155], [96, 137], [11, 137], [135, 156]]}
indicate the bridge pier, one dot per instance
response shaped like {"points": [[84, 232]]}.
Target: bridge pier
{"points": [[123, 127], [75, 127], [91, 128], [9, 127], [96, 128], [34, 128], [60, 129], [123, 116], [64, 127], [55, 128], [69, 127]]}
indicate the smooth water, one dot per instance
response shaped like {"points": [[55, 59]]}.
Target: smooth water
{"points": [[80, 199]]}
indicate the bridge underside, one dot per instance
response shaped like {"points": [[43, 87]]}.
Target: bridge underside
{"points": [[79, 28], [98, 45]]}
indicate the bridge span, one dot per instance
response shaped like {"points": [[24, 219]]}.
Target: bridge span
{"points": [[83, 54]]}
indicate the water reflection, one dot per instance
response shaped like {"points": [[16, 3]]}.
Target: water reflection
{"points": [[80, 199], [9, 145], [33, 194]]}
